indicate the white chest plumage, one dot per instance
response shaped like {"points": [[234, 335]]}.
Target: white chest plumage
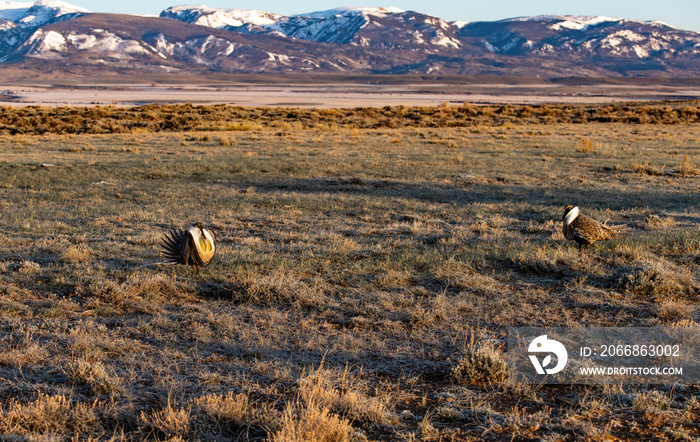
{"points": [[571, 216], [203, 240]]}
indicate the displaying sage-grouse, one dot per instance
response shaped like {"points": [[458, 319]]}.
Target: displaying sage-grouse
{"points": [[195, 246], [583, 229]]}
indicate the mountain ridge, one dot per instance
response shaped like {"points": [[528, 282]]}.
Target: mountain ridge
{"points": [[349, 40]]}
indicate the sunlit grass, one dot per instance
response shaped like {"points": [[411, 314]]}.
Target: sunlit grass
{"points": [[358, 269]]}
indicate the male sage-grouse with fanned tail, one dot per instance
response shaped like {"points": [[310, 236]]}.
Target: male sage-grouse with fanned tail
{"points": [[195, 246], [583, 229]]}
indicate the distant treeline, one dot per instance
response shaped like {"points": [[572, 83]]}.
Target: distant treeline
{"points": [[187, 117]]}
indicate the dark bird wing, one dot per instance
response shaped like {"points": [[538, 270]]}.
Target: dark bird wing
{"points": [[192, 252]]}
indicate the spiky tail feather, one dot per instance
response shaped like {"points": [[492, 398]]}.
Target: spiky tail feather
{"points": [[172, 245], [612, 231]]}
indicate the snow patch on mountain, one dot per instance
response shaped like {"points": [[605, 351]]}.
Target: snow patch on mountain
{"points": [[576, 22], [52, 45], [35, 14], [104, 41], [46, 44], [351, 10], [220, 18], [201, 49]]}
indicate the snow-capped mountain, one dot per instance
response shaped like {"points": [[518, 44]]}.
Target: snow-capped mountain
{"points": [[35, 14], [18, 20], [117, 42], [349, 40], [361, 26], [582, 36]]}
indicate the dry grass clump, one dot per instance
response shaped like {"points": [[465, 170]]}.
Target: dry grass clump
{"points": [[687, 168], [76, 254], [484, 365], [342, 395], [584, 145], [91, 374], [23, 355], [658, 280], [48, 415], [655, 222], [226, 141], [169, 422], [212, 416], [651, 401], [228, 409], [323, 412], [29, 268], [646, 169], [309, 423]]}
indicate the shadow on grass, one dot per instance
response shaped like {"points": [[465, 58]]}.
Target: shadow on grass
{"points": [[504, 192]]}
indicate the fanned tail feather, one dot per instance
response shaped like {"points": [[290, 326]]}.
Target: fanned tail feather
{"points": [[172, 246]]}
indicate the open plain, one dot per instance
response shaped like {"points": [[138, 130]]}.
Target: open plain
{"points": [[325, 91], [368, 267]]}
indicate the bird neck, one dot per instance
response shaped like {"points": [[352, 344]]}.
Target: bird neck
{"points": [[571, 216]]}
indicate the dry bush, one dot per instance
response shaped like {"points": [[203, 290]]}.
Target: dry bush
{"points": [[481, 366], [672, 311], [186, 117]]}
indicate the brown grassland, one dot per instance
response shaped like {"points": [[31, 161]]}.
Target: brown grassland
{"points": [[369, 263]]}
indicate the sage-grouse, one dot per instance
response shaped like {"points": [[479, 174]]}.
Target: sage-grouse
{"points": [[583, 229], [195, 246]]}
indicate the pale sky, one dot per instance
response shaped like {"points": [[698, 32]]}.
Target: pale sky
{"points": [[684, 14]]}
